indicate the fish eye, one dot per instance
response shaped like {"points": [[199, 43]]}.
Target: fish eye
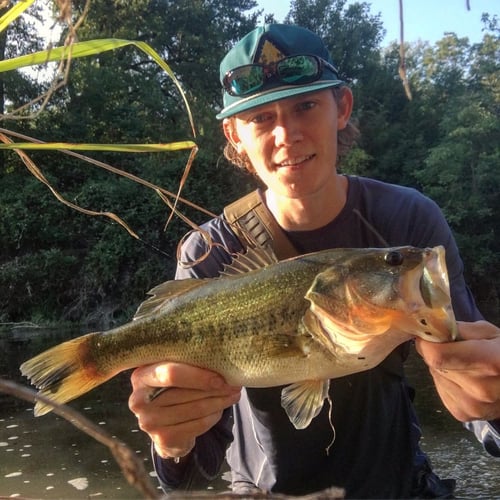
{"points": [[394, 258]]}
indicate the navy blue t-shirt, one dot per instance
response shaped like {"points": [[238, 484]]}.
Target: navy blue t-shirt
{"points": [[376, 437]]}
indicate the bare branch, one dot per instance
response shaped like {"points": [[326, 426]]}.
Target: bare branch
{"points": [[131, 467]]}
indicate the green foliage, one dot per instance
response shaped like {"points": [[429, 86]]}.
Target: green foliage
{"points": [[351, 32], [18, 88], [58, 264], [461, 174], [35, 283]]}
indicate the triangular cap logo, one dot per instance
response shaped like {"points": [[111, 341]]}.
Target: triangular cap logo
{"points": [[268, 52]]}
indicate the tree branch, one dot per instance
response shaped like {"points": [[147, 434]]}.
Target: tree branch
{"points": [[132, 468]]}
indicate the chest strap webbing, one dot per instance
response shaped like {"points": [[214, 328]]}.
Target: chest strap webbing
{"points": [[254, 225]]}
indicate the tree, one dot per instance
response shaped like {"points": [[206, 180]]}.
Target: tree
{"points": [[103, 273], [59, 264], [16, 87], [461, 168], [352, 34]]}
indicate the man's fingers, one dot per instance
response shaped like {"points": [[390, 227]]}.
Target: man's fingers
{"points": [[479, 356], [172, 441], [173, 413], [176, 375], [467, 372], [477, 330]]}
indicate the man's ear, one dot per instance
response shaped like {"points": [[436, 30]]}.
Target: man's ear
{"points": [[231, 134], [344, 107]]}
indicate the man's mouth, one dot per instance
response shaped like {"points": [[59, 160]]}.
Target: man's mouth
{"points": [[293, 162]]}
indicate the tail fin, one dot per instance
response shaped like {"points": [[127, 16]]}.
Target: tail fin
{"points": [[63, 372]]}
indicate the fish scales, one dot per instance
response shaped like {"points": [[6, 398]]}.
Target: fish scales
{"points": [[295, 323], [220, 327]]}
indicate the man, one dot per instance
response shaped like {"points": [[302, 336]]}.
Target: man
{"points": [[286, 117]]}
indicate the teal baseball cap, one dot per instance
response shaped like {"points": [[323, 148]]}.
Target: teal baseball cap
{"points": [[273, 62]]}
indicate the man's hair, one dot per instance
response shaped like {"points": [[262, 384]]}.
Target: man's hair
{"points": [[346, 138]]}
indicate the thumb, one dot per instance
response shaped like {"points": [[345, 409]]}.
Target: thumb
{"points": [[477, 330]]}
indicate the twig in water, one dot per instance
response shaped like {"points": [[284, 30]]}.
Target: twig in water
{"points": [[131, 467]]}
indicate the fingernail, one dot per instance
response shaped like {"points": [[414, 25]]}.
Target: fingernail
{"points": [[161, 373]]}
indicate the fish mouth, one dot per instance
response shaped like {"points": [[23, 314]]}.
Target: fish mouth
{"points": [[434, 283], [436, 316], [407, 297]]}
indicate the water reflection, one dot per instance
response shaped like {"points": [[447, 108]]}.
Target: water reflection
{"points": [[454, 451], [48, 458]]}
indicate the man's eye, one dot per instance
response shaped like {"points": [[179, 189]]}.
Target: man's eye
{"points": [[304, 106], [260, 118]]}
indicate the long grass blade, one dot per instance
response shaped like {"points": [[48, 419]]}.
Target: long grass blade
{"points": [[12, 14], [90, 48], [121, 148], [36, 172]]}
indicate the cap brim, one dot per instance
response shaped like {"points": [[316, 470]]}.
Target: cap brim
{"points": [[274, 94]]}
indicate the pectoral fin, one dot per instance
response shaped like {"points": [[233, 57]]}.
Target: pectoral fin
{"points": [[304, 400]]}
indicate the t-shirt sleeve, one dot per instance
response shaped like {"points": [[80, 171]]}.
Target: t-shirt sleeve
{"points": [[487, 433], [203, 463], [204, 254], [427, 227]]}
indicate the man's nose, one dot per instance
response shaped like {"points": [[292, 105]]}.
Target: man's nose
{"points": [[286, 132]]}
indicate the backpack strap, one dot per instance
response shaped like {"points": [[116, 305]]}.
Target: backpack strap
{"points": [[254, 225]]}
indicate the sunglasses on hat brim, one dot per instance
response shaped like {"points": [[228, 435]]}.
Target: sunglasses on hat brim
{"points": [[292, 70]]}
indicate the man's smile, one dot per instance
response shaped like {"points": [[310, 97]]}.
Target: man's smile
{"points": [[296, 161]]}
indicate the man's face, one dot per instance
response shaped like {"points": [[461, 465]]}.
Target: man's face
{"points": [[291, 143]]}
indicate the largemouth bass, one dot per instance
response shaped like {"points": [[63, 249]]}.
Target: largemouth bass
{"points": [[298, 323]]}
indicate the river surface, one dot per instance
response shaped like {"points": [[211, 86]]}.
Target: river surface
{"points": [[48, 458]]}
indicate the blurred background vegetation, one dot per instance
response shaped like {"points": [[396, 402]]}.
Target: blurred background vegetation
{"points": [[58, 265]]}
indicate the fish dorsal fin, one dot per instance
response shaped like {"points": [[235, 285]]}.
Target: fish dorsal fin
{"points": [[164, 292], [254, 258], [303, 401]]}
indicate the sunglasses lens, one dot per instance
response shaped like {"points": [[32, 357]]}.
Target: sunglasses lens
{"points": [[246, 79], [298, 69], [293, 70]]}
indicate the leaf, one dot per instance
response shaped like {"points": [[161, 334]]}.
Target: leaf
{"points": [[122, 148], [90, 48], [14, 13], [80, 483]]}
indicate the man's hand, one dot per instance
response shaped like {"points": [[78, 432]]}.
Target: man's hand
{"points": [[467, 372], [192, 403]]}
